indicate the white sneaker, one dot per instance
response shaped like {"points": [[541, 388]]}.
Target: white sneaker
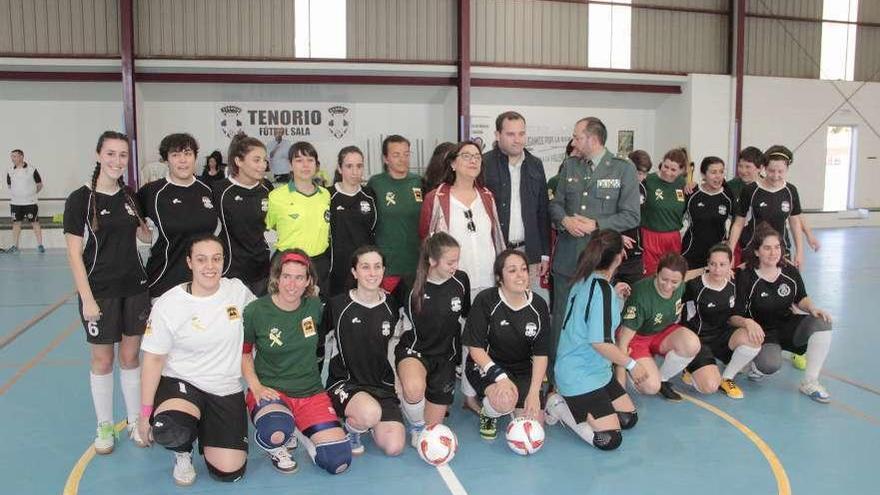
{"points": [[105, 438], [755, 375], [282, 461], [135, 435], [184, 472], [414, 433], [815, 391], [291, 443], [552, 400]]}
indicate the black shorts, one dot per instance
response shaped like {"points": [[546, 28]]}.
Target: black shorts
{"points": [[119, 316], [785, 334], [440, 380], [631, 270], [25, 213], [523, 382], [223, 422], [343, 392], [598, 402], [712, 349]]}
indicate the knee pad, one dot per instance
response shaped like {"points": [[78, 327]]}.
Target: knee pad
{"points": [[769, 360], [607, 440], [333, 457], [175, 429], [627, 419], [269, 423], [226, 477]]}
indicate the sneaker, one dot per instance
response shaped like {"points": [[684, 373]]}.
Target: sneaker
{"points": [[135, 435], [357, 448], [799, 361], [184, 473], [41, 249], [754, 374], [552, 400], [105, 438], [488, 427], [291, 444], [12, 249], [815, 391], [414, 433], [669, 393], [282, 461], [730, 388]]}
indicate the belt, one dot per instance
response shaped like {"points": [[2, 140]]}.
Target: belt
{"points": [[516, 245]]}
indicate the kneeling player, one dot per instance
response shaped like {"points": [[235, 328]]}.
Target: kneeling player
{"points": [[361, 380], [285, 396], [426, 355], [507, 338]]}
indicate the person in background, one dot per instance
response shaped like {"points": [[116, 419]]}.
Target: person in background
{"points": [[24, 184]]}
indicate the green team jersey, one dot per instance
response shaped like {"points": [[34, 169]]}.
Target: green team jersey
{"points": [[399, 204], [647, 312], [286, 343], [736, 186], [664, 204]]}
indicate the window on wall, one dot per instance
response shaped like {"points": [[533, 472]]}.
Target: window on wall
{"points": [[610, 35], [319, 28], [839, 40], [839, 152]]}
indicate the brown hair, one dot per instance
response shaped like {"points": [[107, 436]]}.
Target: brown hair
{"points": [[778, 152], [240, 146], [508, 115], [432, 249], [673, 261], [762, 232], [129, 194], [498, 267], [642, 160], [679, 156], [451, 155], [281, 259], [604, 245]]}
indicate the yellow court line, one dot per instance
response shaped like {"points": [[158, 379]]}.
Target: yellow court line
{"points": [[850, 381], [39, 357], [855, 412], [783, 486], [71, 487]]}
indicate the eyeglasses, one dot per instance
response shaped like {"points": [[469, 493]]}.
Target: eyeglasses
{"points": [[469, 157], [469, 215]]}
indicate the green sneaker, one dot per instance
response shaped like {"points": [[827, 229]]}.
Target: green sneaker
{"points": [[105, 438], [488, 427], [799, 361]]}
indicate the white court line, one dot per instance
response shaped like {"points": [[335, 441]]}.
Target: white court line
{"points": [[451, 480]]}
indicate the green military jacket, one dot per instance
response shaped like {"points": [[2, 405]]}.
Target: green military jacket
{"points": [[609, 195]]}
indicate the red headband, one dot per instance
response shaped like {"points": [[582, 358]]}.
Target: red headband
{"points": [[296, 258]]}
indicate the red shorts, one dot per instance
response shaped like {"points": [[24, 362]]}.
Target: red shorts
{"points": [[310, 414], [655, 245], [645, 346], [737, 255]]}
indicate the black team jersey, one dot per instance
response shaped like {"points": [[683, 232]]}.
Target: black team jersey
{"points": [[179, 213], [511, 337], [436, 328], [636, 232], [362, 334], [758, 204], [707, 309], [707, 215], [769, 303], [352, 225], [110, 252], [242, 225]]}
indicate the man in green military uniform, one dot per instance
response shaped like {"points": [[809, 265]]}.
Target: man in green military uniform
{"points": [[595, 190]]}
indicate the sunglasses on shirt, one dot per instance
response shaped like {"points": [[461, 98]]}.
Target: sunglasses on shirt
{"points": [[469, 215]]}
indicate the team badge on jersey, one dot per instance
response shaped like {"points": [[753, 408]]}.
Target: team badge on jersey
{"points": [[678, 307], [455, 304], [197, 325], [658, 194], [679, 195], [275, 337], [531, 329], [785, 206], [417, 194], [308, 326], [365, 207], [386, 328], [390, 198], [130, 210], [232, 313], [732, 301], [630, 313], [206, 201], [264, 204], [783, 290], [148, 330], [722, 209], [658, 318], [341, 393]]}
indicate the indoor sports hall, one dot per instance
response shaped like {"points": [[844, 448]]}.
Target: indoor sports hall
{"points": [[710, 76]]}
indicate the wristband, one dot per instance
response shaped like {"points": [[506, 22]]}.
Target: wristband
{"points": [[493, 372], [146, 410], [631, 364]]}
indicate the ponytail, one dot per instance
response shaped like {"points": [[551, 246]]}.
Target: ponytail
{"points": [[599, 254], [432, 248]]}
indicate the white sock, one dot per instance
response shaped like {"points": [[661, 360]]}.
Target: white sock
{"points": [[817, 350], [131, 392], [102, 396], [557, 406], [307, 442], [351, 429], [742, 356], [415, 413], [672, 365], [490, 411]]}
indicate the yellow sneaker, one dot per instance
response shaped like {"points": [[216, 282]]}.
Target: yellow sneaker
{"points": [[731, 389], [799, 361], [687, 378]]}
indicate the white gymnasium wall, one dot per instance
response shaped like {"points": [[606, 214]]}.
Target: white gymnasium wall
{"points": [[797, 112]]}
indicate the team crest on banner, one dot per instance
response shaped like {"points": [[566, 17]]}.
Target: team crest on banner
{"points": [[338, 123], [230, 123], [316, 122]]}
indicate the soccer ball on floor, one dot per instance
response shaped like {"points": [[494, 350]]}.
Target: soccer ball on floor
{"points": [[525, 436], [437, 445]]}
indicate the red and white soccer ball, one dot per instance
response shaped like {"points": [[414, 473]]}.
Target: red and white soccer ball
{"points": [[437, 445], [525, 436]]}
